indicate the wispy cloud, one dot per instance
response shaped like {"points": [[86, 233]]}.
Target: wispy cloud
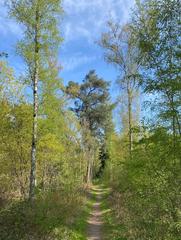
{"points": [[83, 18], [7, 25], [75, 61], [86, 19]]}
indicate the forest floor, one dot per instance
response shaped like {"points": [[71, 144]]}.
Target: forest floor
{"points": [[55, 216], [101, 221], [95, 222], [94, 229]]}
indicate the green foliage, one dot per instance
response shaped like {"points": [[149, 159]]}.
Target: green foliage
{"points": [[52, 216], [91, 102], [142, 164], [156, 28], [60, 160], [25, 13], [15, 147], [11, 89], [111, 228], [146, 185], [146, 189]]}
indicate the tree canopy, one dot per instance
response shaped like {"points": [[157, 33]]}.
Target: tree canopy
{"points": [[91, 155]]}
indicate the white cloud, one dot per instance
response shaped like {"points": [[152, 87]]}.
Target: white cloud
{"points": [[86, 19], [72, 33], [83, 18], [73, 62], [7, 25]]}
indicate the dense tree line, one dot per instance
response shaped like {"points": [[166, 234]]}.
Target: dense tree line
{"points": [[48, 153], [146, 183], [56, 139]]}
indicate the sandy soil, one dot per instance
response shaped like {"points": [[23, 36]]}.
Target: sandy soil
{"points": [[94, 222]]}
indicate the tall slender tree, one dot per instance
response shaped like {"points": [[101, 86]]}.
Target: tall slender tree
{"points": [[40, 19], [93, 110], [122, 53], [156, 28]]}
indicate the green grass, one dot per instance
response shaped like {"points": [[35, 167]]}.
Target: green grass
{"points": [[111, 228], [81, 222], [80, 225], [58, 216], [55, 216]]}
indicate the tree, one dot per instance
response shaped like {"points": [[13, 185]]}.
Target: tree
{"points": [[93, 110], [14, 134], [92, 99], [145, 186], [41, 38], [3, 54], [156, 27], [10, 87], [121, 51]]}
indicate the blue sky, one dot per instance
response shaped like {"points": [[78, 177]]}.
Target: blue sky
{"points": [[83, 22]]}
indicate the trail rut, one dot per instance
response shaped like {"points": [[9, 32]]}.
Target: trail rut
{"points": [[95, 222]]}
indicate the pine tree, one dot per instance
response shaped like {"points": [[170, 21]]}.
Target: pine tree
{"points": [[93, 110]]}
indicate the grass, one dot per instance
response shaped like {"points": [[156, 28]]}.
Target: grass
{"points": [[59, 216], [80, 225], [55, 216], [111, 228]]}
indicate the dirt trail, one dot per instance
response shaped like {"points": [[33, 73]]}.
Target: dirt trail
{"points": [[95, 222]]}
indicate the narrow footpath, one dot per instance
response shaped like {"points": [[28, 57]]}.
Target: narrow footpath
{"points": [[95, 222]]}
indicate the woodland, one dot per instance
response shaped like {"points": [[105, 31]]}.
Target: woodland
{"points": [[59, 140]]}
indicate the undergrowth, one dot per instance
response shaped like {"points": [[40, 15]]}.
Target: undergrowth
{"points": [[53, 216], [111, 228]]}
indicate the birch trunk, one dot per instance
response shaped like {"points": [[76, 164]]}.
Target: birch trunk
{"points": [[89, 167], [129, 119], [35, 111]]}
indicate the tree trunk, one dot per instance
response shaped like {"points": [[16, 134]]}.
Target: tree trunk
{"points": [[174, 137], [129, 119], [171, 103], [35, 111], [88, 180], [89, 167]]}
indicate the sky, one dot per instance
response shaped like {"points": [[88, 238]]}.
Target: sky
{"points": [[84, 21], [82, 25]]}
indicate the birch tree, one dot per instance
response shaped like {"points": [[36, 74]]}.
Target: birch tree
{"points": [[156, 28], [122, 53], [39, 20]]}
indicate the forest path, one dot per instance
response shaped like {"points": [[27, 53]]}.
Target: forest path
{"points": [[95, 222]]}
